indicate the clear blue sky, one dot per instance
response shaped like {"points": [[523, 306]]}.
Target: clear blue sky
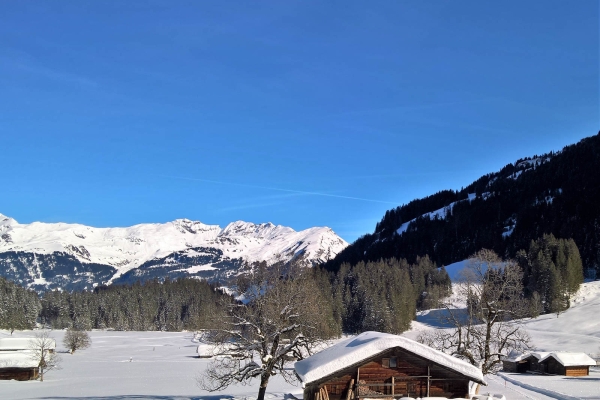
{"points": [[302, 113]]}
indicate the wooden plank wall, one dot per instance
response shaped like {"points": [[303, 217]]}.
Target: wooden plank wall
{"points": [[554, 367], [509, 366], [577, 371], [18, 374]]}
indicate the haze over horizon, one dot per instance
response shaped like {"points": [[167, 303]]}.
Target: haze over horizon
{"points": [[297, 113]]}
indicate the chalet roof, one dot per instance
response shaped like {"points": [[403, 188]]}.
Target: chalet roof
{"points": [[14, 344], [516, 356], [17, 359], [7, 344], [369, 344], [571, 359]]}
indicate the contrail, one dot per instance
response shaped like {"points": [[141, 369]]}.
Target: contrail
{"points": [[279, 189]]}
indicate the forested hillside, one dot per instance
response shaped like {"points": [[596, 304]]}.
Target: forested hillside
{"points": [[556, 193]]}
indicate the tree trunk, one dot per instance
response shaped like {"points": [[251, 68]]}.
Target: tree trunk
{"points": [[261, 393], [264, 381]]}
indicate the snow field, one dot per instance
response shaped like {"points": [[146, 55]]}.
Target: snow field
{"points": [[575, 330], [164, 365], [132, 365]]}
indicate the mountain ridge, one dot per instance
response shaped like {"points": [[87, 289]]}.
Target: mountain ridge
{"points": [[139, 248], [555, 193]]}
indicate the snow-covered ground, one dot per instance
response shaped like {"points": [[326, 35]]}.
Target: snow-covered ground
{"points": [[132, 365], [576, 330], [163, 366]]}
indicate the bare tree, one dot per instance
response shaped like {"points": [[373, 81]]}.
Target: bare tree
{"points": [[42, 349], [484, 316], [277, 319], [75, 339]]}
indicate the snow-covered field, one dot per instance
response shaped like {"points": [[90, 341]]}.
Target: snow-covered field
{"points": [[576, 330], [163, 366], [131, 365]]}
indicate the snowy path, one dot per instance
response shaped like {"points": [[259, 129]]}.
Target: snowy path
{"points": [[512, 392], [558, 387]]}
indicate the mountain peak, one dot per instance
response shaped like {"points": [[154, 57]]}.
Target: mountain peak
{"points": [[174, 249], [6, 220]]}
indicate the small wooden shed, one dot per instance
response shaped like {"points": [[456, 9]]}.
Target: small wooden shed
{"points": [[552, 363], [523, 362], [568, 364], [18, 365], [379, 365]]}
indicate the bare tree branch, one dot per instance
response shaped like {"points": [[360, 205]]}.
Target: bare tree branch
{"points": [[484, 316]]}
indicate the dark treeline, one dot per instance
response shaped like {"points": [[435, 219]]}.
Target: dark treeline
{"points": [[152, 306], [551, 194], [381, 295], [19, 307], [552, 273]]}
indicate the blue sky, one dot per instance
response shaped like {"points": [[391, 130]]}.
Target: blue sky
{"points": [[302, 113]]}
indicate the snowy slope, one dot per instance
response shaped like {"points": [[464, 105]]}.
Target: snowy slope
{"points": [[440, 213], [575, 330], [33, 247]]}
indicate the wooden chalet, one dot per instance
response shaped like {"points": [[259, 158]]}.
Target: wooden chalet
{"points": [[568, 364], [18, 365], [378, 365], [556, 363], [523, 362]]}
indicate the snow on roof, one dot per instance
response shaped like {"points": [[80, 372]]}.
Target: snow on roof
{"points": [[11, 344], [17, 359], [368, 344], [14, 344], [565, 358], [571, 359], [516, 356], [538, 354]]}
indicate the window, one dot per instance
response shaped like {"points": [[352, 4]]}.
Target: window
{"points": [[393, 362], [385, 363]]}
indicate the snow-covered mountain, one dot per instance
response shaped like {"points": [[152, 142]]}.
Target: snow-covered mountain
{"points": [[43, 256]]}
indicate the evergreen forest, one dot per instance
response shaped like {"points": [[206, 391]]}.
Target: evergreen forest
{"points": [[555, 193]]}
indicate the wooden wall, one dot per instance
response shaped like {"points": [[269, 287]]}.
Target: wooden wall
{"points": [[19, 374], [444, 383], [553, 367], [577, 371], [509, 366]]}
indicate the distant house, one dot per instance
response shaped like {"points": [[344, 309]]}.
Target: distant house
{"points": [[380, 365], [18, 365], [19, 344], [553, 363], [569, 364], [523, 362]]}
